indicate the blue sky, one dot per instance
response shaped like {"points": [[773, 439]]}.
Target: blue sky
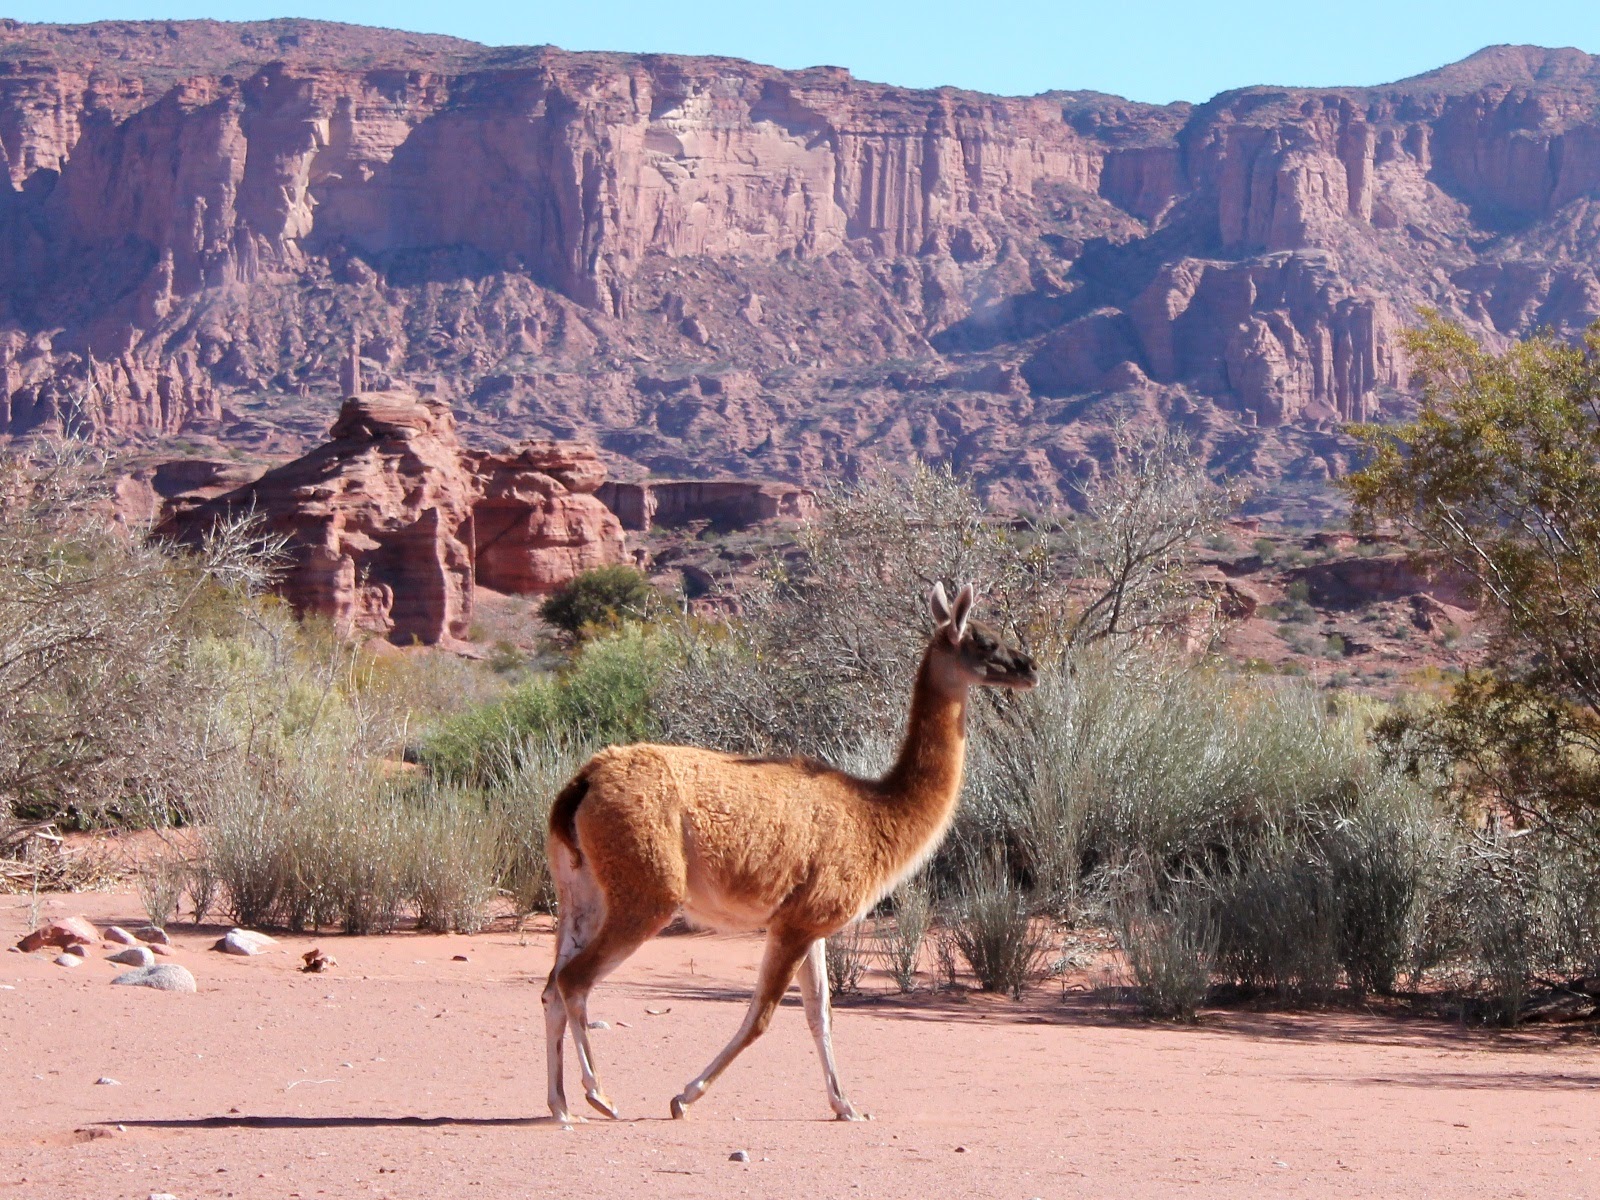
{"points": [[1153, 50]]}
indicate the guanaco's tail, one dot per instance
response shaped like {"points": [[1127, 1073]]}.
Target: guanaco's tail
{"points": [[564, 812]]}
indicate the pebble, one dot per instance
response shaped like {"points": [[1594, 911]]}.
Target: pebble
{"points": [[961, 1149], [458, 958], [739, 1156], [78, 951], [69, 960], [134, 956], [245, 942], [162, 1196], [160, 948], [599, 1025], [116, 933], [107, 1081], [153, 934], [164, 977]]}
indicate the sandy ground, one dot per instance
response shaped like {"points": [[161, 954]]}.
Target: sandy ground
{"points": [[405, 1073]]}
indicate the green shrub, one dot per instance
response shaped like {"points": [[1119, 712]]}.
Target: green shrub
{"points": [[599, 599], [603, 695]]}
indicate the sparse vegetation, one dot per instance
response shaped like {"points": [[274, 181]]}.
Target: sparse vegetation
{"points": [[1235, 829]]}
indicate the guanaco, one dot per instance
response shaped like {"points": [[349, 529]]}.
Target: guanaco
{"points": [[792, 846]]}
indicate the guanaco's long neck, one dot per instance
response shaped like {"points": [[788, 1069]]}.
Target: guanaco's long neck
{"points": [[919, 793]]}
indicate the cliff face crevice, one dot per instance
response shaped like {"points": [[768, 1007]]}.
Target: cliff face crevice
{"points": [[197, 215]]}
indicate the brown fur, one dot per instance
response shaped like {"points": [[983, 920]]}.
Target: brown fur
{"points": [[790, 845]]}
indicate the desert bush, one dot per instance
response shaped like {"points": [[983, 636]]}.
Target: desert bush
{"points": [[827, 648], [160, 884], [913, 918], [847, 954], [96, 695], [200, 881], [533, 771], [455, 861], [992, 927], [1570, 878], [1377, 868], [1144, 754], [1168, 938], [1140, 522], [1277, 923], [1508, 941], [599, 599]]}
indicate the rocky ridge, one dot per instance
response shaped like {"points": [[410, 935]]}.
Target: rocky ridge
{"points": [[713, 267]]}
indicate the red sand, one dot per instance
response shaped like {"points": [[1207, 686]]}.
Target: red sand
{"points": [[406, 1074]]}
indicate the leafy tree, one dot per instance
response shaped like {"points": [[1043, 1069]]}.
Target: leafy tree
{"points": [[1500, 473], [602, 597]]}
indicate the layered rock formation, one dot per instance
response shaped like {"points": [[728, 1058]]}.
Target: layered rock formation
{"points": [[710, 266], [390, 525], [725, 504]]}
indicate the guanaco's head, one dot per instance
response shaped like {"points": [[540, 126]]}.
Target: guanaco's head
{"points": [[977, 652]]}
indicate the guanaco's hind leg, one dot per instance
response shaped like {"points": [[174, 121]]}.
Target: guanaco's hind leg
{"points": [[819, 1016], [783, 954], [580, 910], [619, 935]]}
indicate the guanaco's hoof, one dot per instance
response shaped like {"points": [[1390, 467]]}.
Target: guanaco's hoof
{"points": [[852, 1115], [599, 1101], [680, 1110]]}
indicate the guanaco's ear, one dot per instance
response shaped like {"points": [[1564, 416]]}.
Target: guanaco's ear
{"points": [[939, 606], [960, 611]]}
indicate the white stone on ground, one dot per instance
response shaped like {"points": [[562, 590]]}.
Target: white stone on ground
{"points": [[134, 956], [116, 933], [164, 977], [244, 941], [153, 934], [68, 960]]}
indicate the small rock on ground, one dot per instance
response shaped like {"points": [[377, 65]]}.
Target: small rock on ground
{"points": [[106, 1081], [134, 956], [153, 934], [164, 977], [80, 951], [158, 948], [244, 941], [69, 960], [116, 933], [162, 1196], [599, 1025], [739, 1156]]}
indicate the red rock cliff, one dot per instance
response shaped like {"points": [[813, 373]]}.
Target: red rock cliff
{"points": [[711, 264]]}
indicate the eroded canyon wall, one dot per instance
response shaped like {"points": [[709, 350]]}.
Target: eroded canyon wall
{"points": [[711, 266]]}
